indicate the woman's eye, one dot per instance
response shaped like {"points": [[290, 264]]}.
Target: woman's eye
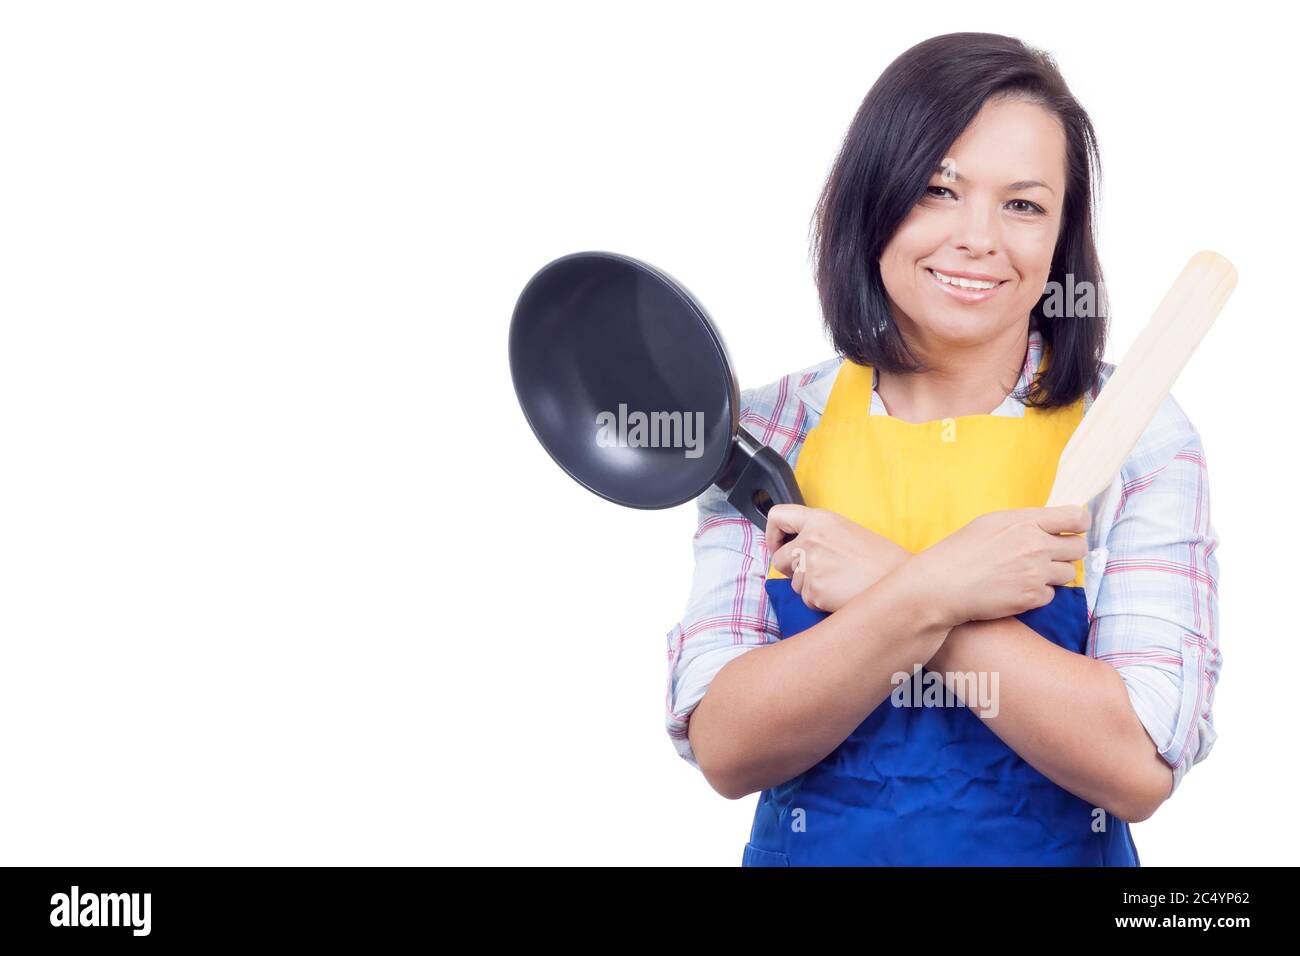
{"points": [[931, 189], [1033, 206]]}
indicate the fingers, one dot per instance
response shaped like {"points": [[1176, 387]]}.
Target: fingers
{"points": [[1061, 519], [790, 560], [1067, 547], [1066, 527], [784, 522], [1061, 573]]}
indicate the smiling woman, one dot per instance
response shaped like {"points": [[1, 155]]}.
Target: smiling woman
{"points": [[970, 158], [926, 451], [976, 238], [958, 213]]}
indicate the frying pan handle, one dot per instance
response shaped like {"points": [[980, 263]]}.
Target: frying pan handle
{"points": [[756, 478]]}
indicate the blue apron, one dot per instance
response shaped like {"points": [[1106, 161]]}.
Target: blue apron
{"points": [[930, 785]]}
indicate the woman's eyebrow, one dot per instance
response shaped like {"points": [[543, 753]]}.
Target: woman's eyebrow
{"points": [[1030, 184], [948, 173]]}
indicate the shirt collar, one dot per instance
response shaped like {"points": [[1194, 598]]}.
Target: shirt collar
{"points": [[817, 392]]}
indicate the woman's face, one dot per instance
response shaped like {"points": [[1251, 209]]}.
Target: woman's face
{"points": [[992, 209]]}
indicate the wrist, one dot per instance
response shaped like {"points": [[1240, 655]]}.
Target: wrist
{"points": [[918, 595], [951, 645]]}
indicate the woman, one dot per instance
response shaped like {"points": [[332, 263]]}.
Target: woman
{"points": [[923, 665]]}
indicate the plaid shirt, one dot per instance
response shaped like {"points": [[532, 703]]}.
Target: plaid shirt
{"points": [[1150, 582]]}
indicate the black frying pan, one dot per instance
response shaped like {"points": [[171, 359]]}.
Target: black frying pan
{"points": [[597, 338]]}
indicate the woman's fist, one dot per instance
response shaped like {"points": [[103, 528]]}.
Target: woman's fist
{"points": [[829, 559], [1005, 562]]}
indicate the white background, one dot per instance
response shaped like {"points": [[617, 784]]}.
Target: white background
{"points": [[284, 575]]}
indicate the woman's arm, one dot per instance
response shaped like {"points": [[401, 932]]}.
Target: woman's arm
{"points": [[769, 720], [1066, 714], [777, 710], [1120, 725]]}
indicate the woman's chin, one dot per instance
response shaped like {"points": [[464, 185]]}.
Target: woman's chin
{"points": [[959, 329]]}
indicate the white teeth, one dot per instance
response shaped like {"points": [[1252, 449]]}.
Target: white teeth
{"points": [[963, 283]]}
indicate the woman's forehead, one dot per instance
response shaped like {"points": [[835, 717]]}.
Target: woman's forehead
{"points": [[1009, 143]]}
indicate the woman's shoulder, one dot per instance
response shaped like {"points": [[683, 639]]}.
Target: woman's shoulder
{"points": [[796, 392], [1169, 432]]}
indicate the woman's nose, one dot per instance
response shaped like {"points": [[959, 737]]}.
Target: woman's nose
{"points": [[976, 230]]}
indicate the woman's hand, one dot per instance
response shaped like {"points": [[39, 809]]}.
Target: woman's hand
{"points": [[829, 559], [1005, 562]]}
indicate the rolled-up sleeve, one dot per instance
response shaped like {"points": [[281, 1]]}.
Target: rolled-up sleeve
{"points": [[727, 613], [1156, 618]]}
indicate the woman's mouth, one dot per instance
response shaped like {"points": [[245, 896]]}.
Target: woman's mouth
{"points": [[966, 290]]}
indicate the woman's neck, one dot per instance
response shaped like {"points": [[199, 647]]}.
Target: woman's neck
{"points": [[972, 380]]}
